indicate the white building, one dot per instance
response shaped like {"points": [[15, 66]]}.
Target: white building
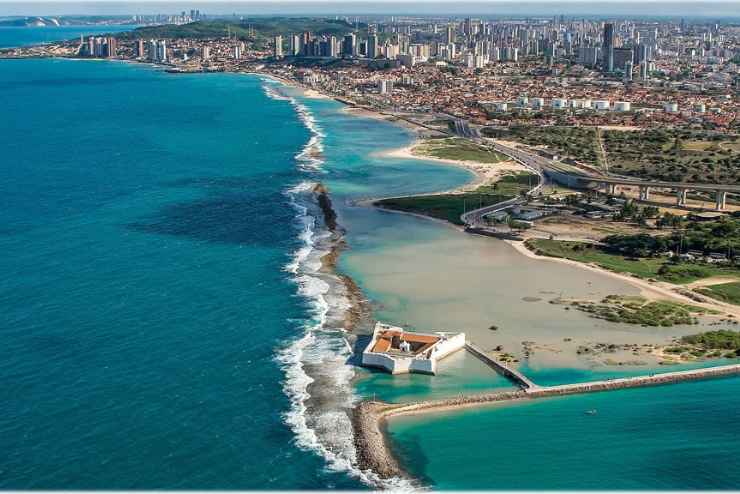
{"points": [[277, 50], [602, 104], [538, 102], [400, 352], [385, 86], [622, 106], [559, 103]]}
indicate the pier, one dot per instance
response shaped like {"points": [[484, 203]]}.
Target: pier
{"points": [[519, 379], [368, 416]]}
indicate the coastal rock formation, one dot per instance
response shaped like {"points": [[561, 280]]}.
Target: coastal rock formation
{"points": [[370, 442]]}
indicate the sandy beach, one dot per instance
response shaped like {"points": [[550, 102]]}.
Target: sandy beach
{"points": [[485, 173]]}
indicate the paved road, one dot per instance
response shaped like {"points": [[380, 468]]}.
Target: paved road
{"points": [[534, 163]]}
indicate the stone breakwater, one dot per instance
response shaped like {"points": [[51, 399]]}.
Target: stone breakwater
{"points": [[369, 416]]}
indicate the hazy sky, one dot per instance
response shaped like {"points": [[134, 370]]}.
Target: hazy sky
{"points": [[673, 8]]}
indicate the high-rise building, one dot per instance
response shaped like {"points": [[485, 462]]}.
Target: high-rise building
{"points": [[628, 71], [306, 43], [140, 51], [294, 45], [205, 53], [608, 47], [450, 34], [588, 56], [372, 46], [621, 56], [162, 50], [111, 47], [349, 45], [277, 50], [644, 70]]}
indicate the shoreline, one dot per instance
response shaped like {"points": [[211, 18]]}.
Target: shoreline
{"points": [[651, 291], [484, 173]]}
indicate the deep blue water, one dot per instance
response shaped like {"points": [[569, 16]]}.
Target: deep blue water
{"points": [[20, 36], [144, 230]]}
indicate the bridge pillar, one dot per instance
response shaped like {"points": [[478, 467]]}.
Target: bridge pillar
{"points": [[644, 193], [721, 200], [681, 197]]}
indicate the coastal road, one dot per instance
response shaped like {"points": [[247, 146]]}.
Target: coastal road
{"points": [[534, 163]]}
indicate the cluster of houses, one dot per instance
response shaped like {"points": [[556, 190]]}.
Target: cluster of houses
{"points": [[699, 256]]}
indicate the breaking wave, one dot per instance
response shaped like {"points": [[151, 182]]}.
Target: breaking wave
{"points": [[318, 379]]}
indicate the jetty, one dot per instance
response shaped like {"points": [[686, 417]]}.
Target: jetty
{"points": [[510, 372], [369, 416]]}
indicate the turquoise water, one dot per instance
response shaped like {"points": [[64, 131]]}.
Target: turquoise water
{"points": [[144, 230], [460, 373], [20, 36], [673, 437]]}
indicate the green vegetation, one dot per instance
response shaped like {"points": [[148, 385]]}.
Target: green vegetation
{"points": [[711, 344], [674, 155], [642, 267], [450, 207], [458, 149], [579, 143], [258, 30], [637, 310], [677, 155], [721, 236], [727, 292], [510, 185]]}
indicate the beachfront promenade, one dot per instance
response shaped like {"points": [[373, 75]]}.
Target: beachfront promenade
{"points": [[368, 416]]}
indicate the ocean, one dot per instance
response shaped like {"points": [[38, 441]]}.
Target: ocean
{"points": [[167, 323], [150, 238], [21, 36]]}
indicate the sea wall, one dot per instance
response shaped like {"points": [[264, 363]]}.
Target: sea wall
{"points": [[369, 416]]}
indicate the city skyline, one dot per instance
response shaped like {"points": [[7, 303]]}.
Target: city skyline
{"points": [[629, 8]]}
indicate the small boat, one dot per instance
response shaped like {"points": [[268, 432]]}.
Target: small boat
{"points": [[590, 412]]}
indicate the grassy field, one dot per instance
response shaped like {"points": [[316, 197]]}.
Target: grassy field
{"points": [[652, 267], [727, 292], [448, 207], [458, 149]]}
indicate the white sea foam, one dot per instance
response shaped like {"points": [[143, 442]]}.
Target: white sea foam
{"points": [[321, 353], [309, 158]]}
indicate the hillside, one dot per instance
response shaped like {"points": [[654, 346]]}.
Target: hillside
{"points": [[261, 28]]}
